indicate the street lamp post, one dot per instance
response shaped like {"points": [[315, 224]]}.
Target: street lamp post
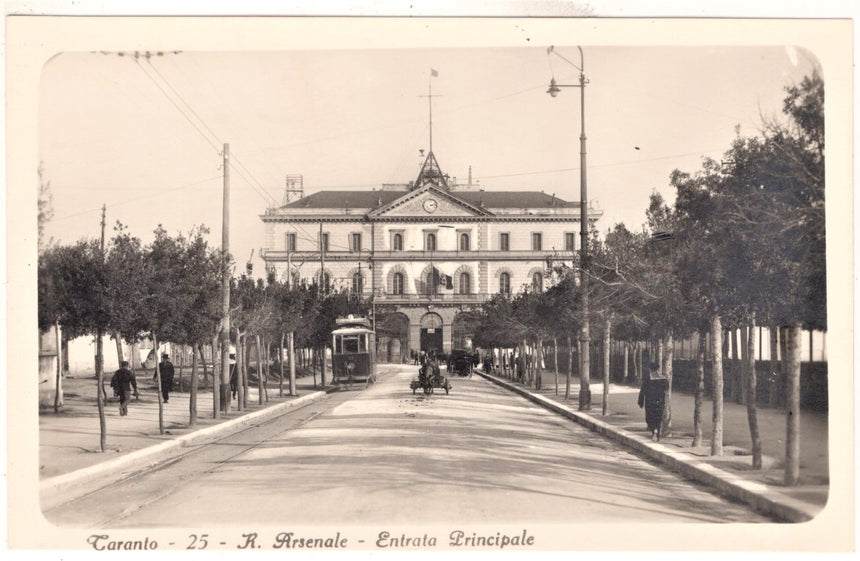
{"points": [[584, 359]]}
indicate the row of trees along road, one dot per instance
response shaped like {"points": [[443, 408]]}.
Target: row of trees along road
{"points": [[743, 245], [169, 291]]}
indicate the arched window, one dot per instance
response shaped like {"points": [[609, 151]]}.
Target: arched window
{"points": [[464, 242], [465, 283], [397, 242], [397, 283], [431, 242], [537, 282], [357, 283], [505, 283]]}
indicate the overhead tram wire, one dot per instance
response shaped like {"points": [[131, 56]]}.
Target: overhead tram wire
{"points": [[241, 169], [218, 149]]}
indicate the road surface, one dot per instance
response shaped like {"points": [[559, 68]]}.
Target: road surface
{"points": [[480, 455]]}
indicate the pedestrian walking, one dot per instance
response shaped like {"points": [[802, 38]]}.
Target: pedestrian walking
{"points": [[652, 396], [234, 376], [122, 381], [166, 369]]}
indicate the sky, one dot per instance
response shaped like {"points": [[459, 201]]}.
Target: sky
{"points": [[144, 137]]}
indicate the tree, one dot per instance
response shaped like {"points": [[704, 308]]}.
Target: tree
{"points": [[72, 291]]}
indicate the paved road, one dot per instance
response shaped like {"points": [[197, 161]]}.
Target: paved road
{"points": [[385, 456]]}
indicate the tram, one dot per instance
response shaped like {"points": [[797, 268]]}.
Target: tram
{"points": [[353, 352]]}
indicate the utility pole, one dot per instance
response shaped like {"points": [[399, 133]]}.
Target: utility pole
{"points": [[100, 368], [585, 372], [225, 289]]}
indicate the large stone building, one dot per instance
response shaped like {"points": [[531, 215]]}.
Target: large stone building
{"points": [[429, 252]]}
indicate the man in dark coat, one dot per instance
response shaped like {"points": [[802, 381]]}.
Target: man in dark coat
{"points": [[166, 369], [653, 397], [122, 382]]}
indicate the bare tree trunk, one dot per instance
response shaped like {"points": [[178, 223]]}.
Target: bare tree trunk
{"points": [[569, 367], [192, 398], [668, 362], [313, 365], [58, 387], [717, 374], [700, 391], [246, 369], [785, 364], [637, 363], [745, 362], [158, 386], [322, 365], [265, 369], [555, 361], [281, 366], [792, 406], [64, 353], [538, 365], [626, 373], [607, 330], [292, 354], [216, 386], [259, 371], [100, 380], [119, 354], [181, 364], [752, 416], [773, 382]]}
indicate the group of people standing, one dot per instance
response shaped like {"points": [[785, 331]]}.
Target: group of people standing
{"points": [[124, 383]]}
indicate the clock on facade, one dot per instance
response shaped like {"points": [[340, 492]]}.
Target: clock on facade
{"points": [[430, 205]]}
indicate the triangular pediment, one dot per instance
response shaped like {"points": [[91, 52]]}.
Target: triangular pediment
{"points": [[429, 201]]}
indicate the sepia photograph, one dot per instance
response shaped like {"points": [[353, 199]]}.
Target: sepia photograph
{"points": [[469, 285]]}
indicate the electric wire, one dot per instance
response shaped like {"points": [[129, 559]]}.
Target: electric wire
{"points": [[266, 198], [234, 157]]}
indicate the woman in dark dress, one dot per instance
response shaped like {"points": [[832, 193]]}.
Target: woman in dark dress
{"points": [[653, 397]]}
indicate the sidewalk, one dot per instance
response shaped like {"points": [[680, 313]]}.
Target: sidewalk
{"points": [[71, 464], [731, 474]]}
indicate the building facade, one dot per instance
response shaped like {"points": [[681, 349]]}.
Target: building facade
{"points": [[429, 252]]}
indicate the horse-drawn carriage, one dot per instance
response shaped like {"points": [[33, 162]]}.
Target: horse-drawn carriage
{"points": [[429, 379], [460, 363]]}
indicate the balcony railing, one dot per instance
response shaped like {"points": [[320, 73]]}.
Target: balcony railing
{"points": [[386, 255], [430, 298]]}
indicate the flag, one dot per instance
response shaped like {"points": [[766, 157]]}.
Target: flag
{"points": [[433, 73]]}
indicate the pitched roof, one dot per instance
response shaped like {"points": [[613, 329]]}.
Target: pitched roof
{"points": [[375, 199], [513, 199], [340, 199]]}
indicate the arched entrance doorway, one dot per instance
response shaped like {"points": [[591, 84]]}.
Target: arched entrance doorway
{"points": [[431, 332]]}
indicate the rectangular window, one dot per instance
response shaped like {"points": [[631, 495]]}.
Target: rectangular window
{"points": [[537, 241], [504, 241], [290, 241], [355, 242], [324, 242], [569, 241]]}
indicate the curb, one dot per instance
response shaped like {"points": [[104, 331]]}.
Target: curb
{"points": [[761, 498], [69, 486]]}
